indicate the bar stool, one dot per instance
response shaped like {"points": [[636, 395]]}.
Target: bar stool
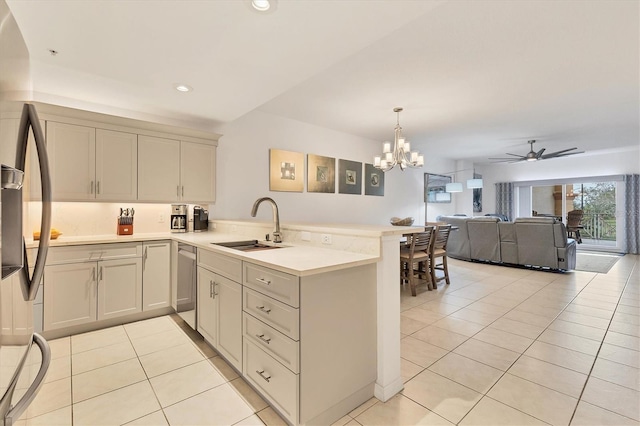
{"points": [[416, 251], [439, 250]]}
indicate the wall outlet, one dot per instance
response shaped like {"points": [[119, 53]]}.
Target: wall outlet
{"points": [[161, 218], [305, 236], [326, 238]]}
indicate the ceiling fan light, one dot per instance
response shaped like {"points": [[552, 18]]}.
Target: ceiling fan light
{"points": [[453, 187], [532, 159]]}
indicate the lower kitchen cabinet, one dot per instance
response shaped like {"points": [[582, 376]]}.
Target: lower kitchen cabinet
{"points": [[156, 275], [207, 306], [119, 287], [16, 315], [83, 284], [220, 314], [70, 296], [310, 342], [220, 304]]}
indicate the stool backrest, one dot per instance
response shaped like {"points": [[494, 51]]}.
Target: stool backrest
{"points": [[441, 237], [574, 217], [421, 241]]}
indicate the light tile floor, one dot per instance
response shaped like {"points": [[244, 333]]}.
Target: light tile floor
{"points": [[497, 346]]}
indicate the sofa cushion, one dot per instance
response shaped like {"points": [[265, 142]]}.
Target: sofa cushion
{"points": [[484, 240], [508, 242]]}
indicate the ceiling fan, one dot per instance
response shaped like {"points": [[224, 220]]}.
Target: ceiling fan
{"points": [[535, 156]]}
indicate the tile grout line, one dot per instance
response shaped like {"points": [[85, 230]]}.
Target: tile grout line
{"points": [[584, 387], [534, 340]]}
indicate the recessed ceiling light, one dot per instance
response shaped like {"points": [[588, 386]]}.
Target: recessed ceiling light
{"points": [[183, 88], [261, 5]]}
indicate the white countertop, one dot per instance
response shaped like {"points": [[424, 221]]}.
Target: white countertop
{"points": [[293, 259]]}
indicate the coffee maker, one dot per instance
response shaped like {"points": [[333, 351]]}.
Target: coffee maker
{"points": [[200, 219], [178, 218]]}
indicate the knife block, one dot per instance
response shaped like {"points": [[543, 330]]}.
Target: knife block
{"points": [[125, 229]]}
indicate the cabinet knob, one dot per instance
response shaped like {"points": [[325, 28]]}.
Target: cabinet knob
{"points": [[263, 281]]}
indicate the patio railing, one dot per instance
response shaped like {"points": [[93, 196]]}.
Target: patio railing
{"points": [[599, 226]]}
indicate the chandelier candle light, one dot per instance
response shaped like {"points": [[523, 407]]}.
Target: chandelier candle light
{"points": [[401, 154]]}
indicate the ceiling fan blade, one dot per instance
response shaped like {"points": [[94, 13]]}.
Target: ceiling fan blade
{"points": [[515, 155], [539, 154], [507, 160], [560, 153]]}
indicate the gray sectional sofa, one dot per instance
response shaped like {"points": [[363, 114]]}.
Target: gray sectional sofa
{"points": [[539, 242]]}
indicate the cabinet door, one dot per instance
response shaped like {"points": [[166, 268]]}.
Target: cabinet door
{"points": [[16, 313], [8, 141], [158, 169], [197, 172], [156, 275], [116, 165], [69, 295], [229, 295], [207, 306], [119, 287], [72, 160]]}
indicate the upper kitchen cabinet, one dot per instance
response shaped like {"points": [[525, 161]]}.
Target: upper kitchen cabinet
{"points": [[116, 165], [158, 169], [91, 164], [171, 170], [197, 172], [72, 161]]}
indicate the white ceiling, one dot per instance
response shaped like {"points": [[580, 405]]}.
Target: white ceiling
{"points": [[476, 78]]}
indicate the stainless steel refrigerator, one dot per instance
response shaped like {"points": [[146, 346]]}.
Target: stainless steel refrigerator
{"points": [[20, 375]]}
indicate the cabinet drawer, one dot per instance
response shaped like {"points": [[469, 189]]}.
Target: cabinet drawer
{"points": [[84, 253], [280, 286], [275, 382], [282, 317], [272, 341], [221, 264]]}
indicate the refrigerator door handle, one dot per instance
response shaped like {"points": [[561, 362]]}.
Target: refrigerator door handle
{"points": [[11, 415], [28, 120]]}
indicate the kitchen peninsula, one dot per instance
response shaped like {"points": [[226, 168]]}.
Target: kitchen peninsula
{"points": [[343, 290]]}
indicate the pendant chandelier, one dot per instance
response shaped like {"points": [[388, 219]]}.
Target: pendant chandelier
{"points": [[401, 155]]}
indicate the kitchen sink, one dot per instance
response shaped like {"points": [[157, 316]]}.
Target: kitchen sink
{"points": [[250, 245]]}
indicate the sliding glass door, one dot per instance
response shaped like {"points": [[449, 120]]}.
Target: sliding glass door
{"points": [[601, 227], [597, 200]]}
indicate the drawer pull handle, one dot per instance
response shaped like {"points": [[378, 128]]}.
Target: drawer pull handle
{"points": [[261, 337], [261, 373], [262, 308], [263, 281]]}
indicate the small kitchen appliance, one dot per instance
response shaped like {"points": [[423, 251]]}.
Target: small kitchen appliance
{"points": [[200, 219], [178, 218]]}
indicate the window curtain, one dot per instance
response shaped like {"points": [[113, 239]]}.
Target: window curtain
{"points": [[632, 208], [504, 198]]}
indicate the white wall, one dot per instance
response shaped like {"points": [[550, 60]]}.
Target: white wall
{"points": [[619, 162], [243, 170]]}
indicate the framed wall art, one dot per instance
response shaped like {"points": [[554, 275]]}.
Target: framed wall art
{"points": [[477, 196], [434, 188], [321, 174], [286, 171], [373, 180], [349, 177]]}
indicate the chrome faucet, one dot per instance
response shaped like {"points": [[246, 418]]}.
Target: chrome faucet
{"points": [[277, 237]]}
